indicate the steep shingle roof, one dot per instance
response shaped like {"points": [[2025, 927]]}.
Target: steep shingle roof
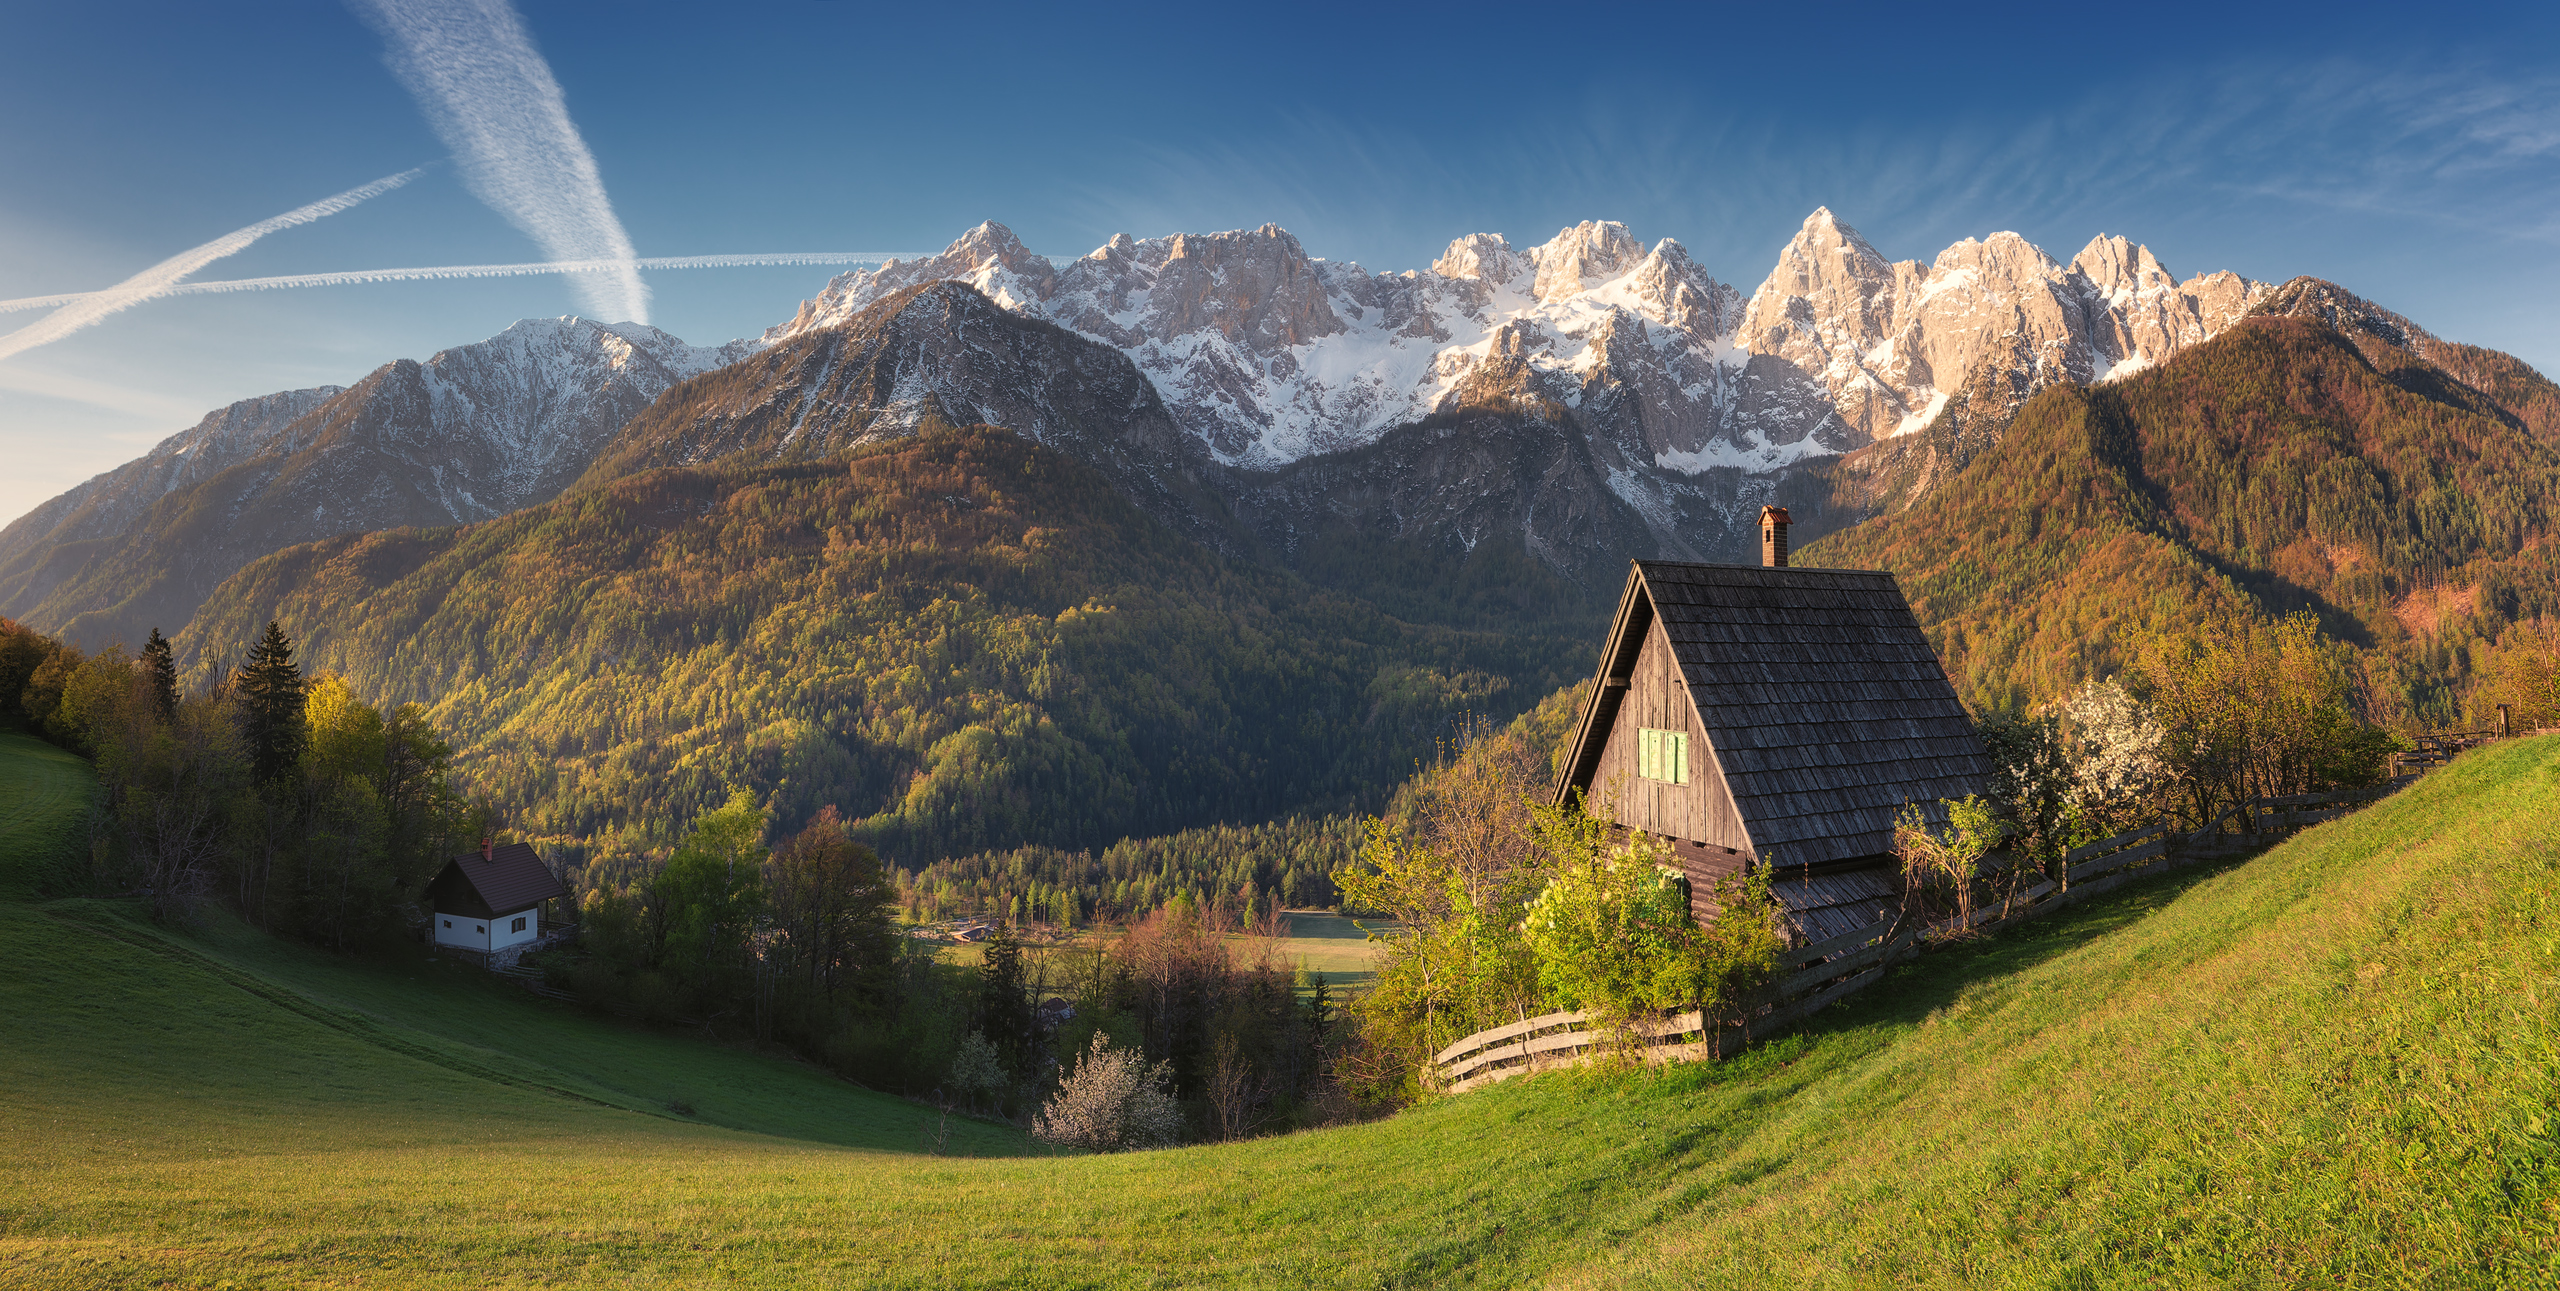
{"points": [[1823, 702], [512, 878]]}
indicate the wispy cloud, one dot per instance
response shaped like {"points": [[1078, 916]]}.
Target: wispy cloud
{"points": [[2473, 149], [490, 96], [160, 278], [353, 277]]}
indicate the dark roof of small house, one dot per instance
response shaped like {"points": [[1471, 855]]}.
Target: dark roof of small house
{"points": [[512, 878], [1826, 707]]}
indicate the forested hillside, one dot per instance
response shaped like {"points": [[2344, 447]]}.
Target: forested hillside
{"points": [[2280, 466], [962, 640]]}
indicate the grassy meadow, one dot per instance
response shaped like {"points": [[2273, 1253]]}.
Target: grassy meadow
{"points": [[44, 816], [1331, 946], [2335, 1064]]}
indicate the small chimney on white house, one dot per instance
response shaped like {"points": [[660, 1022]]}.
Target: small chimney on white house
{"points": [[488, 848], [1773, 537]]}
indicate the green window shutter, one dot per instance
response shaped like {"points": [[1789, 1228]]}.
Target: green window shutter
{"points": [[1680, 758], [1646, 752]]}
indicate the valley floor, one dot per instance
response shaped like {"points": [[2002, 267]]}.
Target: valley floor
{"points": [[2337, 1064]]}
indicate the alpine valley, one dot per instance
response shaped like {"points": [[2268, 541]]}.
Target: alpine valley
{"points": [[990, 549]]}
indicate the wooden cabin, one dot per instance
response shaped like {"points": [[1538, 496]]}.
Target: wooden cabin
{"points": [[1771, 716], [491, 899]]}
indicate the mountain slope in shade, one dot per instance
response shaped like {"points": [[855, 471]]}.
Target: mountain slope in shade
{"points": [[937, 353], [473, 432], [2309, 457], [1500, 512], [42, 548]]}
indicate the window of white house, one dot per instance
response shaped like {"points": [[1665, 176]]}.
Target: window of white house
{"points": [[1662, 755], [519, 926], [448, 923], [477, 928]]}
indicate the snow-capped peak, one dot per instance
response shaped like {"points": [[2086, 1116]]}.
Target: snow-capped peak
{"points": [[1582, 257], [1268, 355], [1485, 257]]}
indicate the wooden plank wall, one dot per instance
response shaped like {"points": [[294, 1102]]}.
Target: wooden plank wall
{"points": [[1700, 811]]}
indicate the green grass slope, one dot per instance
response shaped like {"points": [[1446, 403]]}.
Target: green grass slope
{"points": [[44, 817], [2333, 1065]]}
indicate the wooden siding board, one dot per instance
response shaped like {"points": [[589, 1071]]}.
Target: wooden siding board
{"points": [[1700, 811]]}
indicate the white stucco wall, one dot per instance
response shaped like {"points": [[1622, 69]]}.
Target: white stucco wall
{"points": [[461, 930], [503, 932], [471, 932]]}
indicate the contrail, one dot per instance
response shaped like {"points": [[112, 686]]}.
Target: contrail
{"points": [[491, 98], [354, 276], [159, 278]]}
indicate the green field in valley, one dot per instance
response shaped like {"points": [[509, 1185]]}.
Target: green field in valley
{"points": [[2335, 1064], [1333, 946]]}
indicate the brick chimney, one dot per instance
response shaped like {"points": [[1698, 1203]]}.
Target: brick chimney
{"points": [[488, 849], [1773, 537]]}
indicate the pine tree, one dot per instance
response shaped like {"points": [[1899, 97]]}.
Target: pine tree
{"points": [[1005, 1009], [163, 671], [270, 690]]}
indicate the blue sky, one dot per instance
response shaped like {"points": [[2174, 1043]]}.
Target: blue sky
{"points": [[2411, 154]]}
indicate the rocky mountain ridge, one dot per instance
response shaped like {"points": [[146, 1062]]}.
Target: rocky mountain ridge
{"points": [[471, 433], [105, 505], [1487, 439], [1269, 356], [1502, 509]]}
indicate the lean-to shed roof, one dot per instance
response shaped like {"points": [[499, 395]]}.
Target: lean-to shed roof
{"points": [[1823, 702]]}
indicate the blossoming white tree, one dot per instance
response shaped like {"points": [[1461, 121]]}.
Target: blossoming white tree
{"points": [[1114, 1101]]}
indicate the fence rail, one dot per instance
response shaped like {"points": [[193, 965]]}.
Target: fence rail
{"points": [[1825, 971]]}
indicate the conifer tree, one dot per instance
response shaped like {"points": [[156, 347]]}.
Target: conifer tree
{"points": [[162, 668], [270, 690], [1004, 1002]]}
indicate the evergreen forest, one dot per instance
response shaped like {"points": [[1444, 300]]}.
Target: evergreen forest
{"points": [[962, 641]]}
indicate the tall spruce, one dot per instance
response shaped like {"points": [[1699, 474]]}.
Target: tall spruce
{"points": [[1005, 1010], [270, 690], [162, 668]]}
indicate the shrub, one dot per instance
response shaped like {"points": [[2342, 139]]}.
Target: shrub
{"points": [[1950, 862], [1114, 1101], [1613, 936]]}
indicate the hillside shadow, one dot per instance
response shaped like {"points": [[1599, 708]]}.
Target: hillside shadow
{"points": [[454, 1016]]}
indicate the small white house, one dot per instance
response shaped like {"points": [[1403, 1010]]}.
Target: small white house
{"points": [[491, 899]]}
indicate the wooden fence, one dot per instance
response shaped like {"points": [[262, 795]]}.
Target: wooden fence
{"points": [[1812, 977]]}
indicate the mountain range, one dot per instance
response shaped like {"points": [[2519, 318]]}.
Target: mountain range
{"points": [[989, 549], [1571, 405]]}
